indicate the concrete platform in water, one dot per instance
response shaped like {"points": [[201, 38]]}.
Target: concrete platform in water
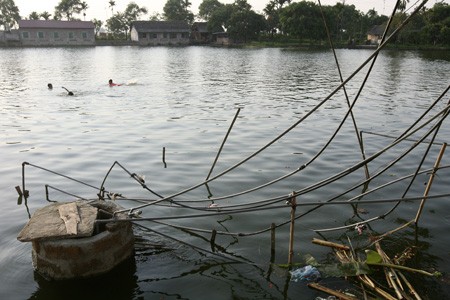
{"points": [[66, 243]]}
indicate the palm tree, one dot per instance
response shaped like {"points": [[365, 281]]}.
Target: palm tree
{"points": [[186, 4], [84, 6], [112, 3], [33, 16], [45, 15]]}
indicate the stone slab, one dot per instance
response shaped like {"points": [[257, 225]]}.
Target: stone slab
{"points": [[46, 222]]}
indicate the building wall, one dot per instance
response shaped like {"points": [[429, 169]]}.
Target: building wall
{"points": [[159, 38], [57, 37], [8, 38]]}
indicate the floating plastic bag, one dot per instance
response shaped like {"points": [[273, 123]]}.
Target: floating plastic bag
{"points": [[307, 273]]}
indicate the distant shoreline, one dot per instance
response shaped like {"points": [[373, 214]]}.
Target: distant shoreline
{"points": [[119, 43]]}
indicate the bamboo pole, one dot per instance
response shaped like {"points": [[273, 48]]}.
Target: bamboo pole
{"points": [[293, 203], [366, 280], [430, 182], [391, 275], [223, 143], [411, 288], [330, 244]]}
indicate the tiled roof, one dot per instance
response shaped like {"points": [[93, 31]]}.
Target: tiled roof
{"points": [[377, 30], [55, 24], [161, 26], [200, 26]]}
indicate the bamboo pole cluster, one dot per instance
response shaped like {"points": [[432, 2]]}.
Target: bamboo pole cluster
{"points": [[396, 286]]}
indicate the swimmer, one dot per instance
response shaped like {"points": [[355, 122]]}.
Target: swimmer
{"points": [[69, 93], [50, 86], [111, 83]]}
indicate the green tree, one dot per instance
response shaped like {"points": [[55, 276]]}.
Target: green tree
{"points": [[207, 7], [98, 25], [238, 19], [84, 6], [346, 20], [178, 10], [57, 15], [117, 25], [273, 18], [9, 14], [244, 23], [120, 23], [33, 16], [303, 20], [45, 15], [132, 13], [219, 19], [281, 3], [68, 8], [155, 17], [438, 24], [272, 12]]}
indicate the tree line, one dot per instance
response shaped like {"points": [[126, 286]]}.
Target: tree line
{"points": [[281, 20]]}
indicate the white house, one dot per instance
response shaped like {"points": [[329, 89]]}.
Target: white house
{"points": [[56, 33], [152, 33]]}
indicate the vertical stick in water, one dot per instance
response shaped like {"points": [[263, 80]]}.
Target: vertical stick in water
{"points": [[272, 242], [164, 157], [223, 143], [430, 182], [293, 203]]}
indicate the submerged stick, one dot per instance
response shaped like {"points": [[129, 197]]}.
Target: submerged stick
{"points": [[380, 237], [340, 295], [430, 182]]}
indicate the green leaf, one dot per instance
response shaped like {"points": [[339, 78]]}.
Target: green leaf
{"points": [[353, 268], [373, 257]]}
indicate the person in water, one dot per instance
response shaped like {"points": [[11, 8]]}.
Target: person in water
{"points": [[50, 86], [111, 83], [69, 93]]}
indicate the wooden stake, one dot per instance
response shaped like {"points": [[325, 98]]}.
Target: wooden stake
{"points": [[430, 182], [272, 242], [164, 157], [19, 199], [293, 203]]}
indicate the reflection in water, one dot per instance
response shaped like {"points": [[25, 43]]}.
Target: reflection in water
{"points": [[120, 283]]}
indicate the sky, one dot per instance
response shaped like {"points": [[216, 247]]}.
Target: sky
{"points": [[99, 9]]}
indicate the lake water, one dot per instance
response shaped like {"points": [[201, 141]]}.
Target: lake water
{"points": [[167, 122]]}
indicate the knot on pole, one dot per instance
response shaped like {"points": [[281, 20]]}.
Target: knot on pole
{"points": [[292, 200]]}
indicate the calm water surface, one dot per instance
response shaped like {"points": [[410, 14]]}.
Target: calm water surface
{"points": [[183, 100]]}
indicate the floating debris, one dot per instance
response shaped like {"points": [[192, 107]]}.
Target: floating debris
{"points": [[306, 273]]}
